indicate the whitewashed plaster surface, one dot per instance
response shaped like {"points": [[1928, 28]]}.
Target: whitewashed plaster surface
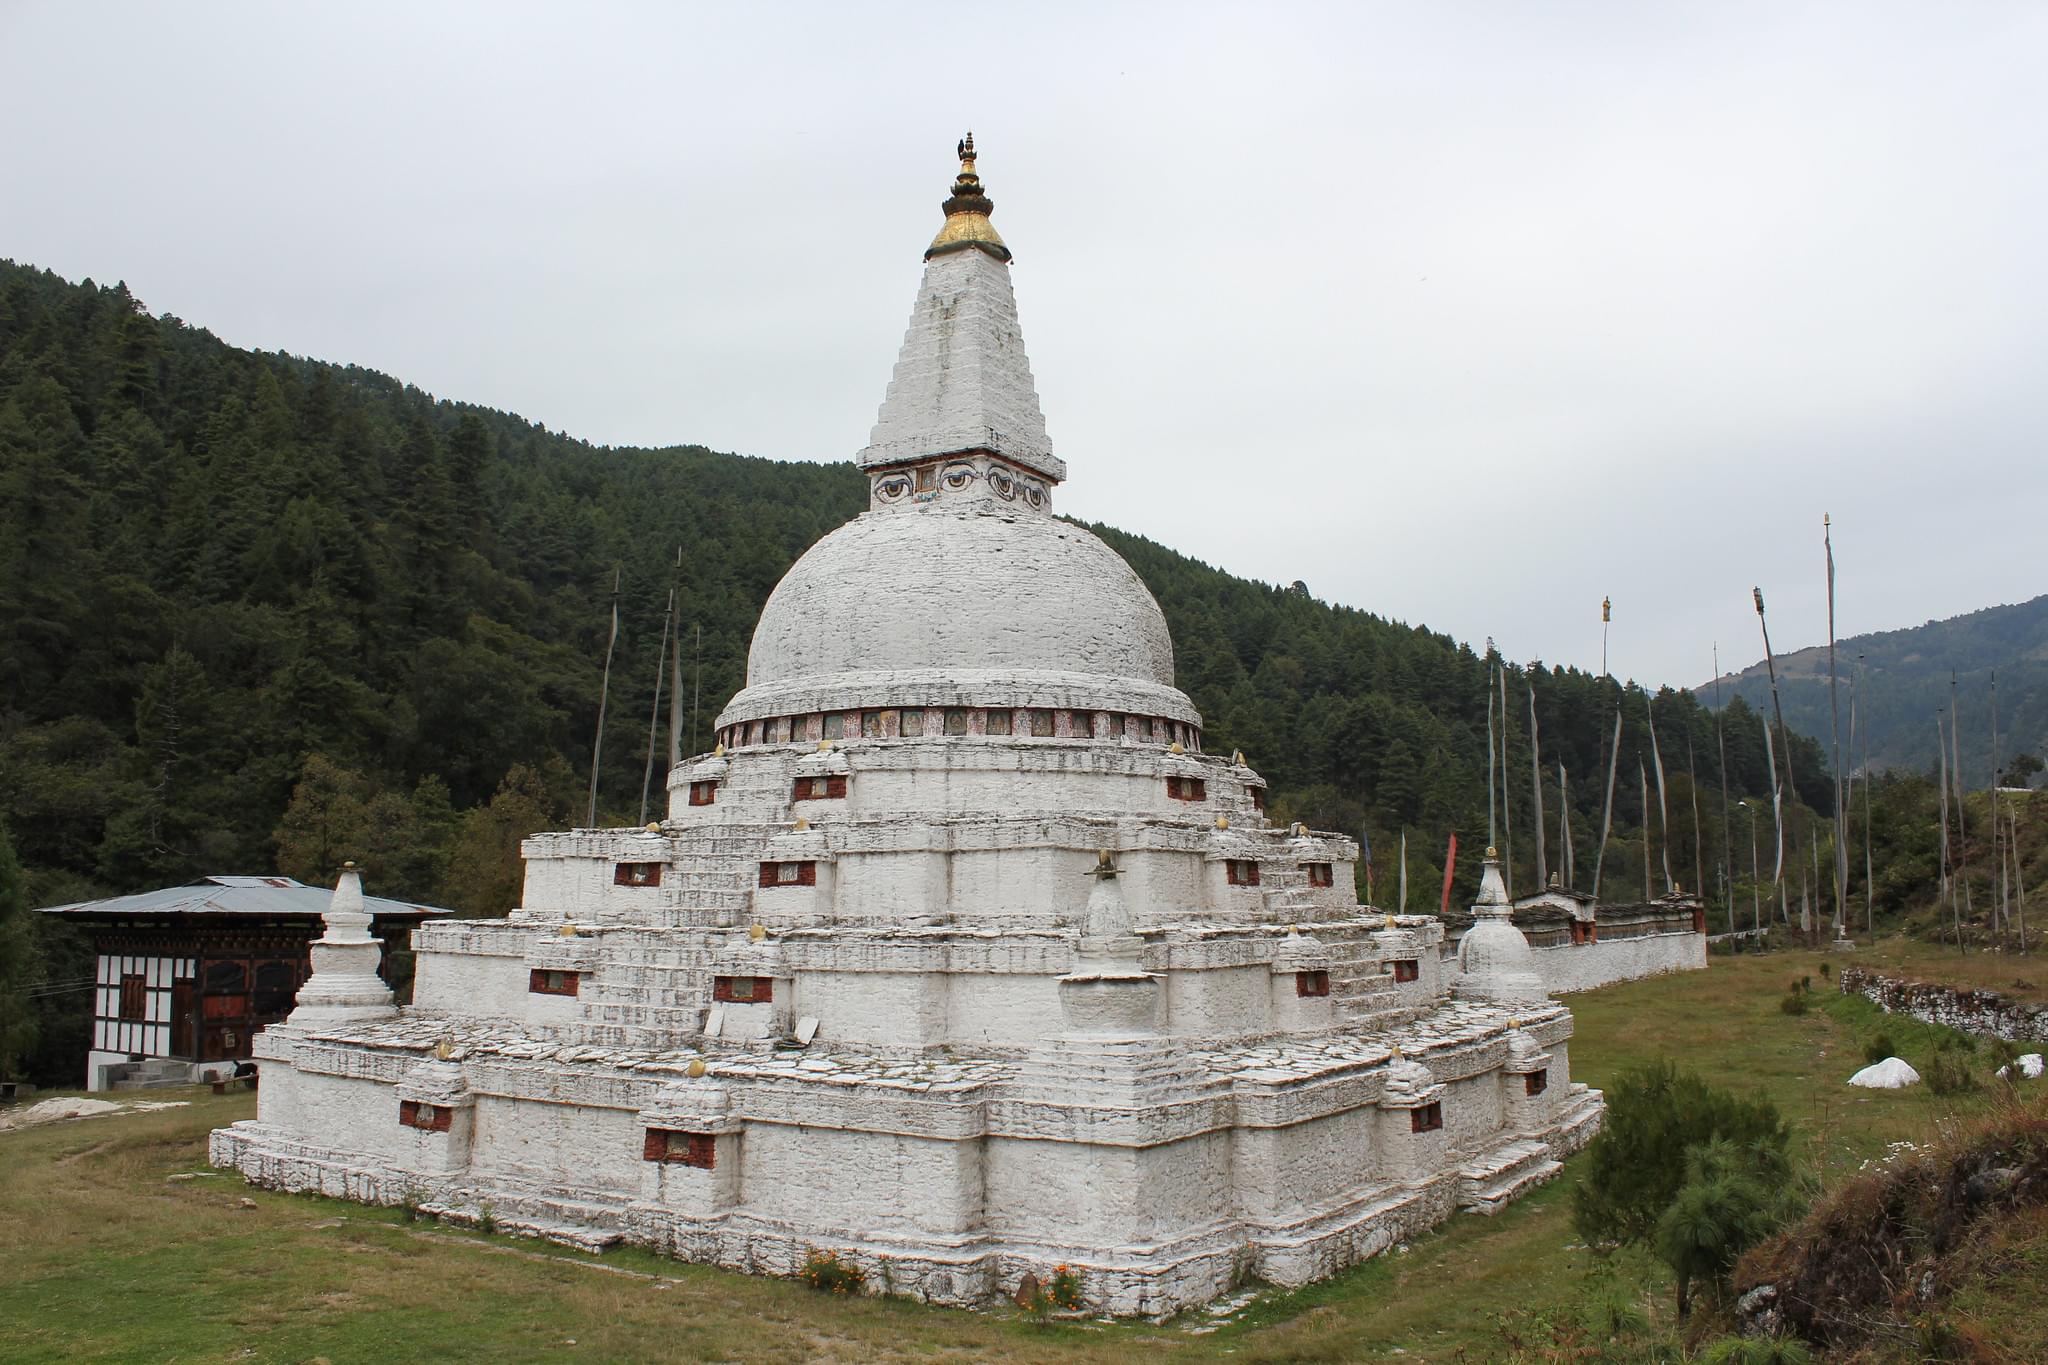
{"points": [[1016, 1057]]}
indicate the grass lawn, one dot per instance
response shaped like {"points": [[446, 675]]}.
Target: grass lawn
{"points": [[2020, 976], [111, 1249]]}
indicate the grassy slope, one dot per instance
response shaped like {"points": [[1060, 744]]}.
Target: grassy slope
{"points": [[2021, 978], [103, 1257]]}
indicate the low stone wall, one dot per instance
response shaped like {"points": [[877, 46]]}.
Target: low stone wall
{"points": [[1972, 1011], [1584, 966]]}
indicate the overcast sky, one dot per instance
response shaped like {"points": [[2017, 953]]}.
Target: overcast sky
{"points": [[1465, 314]]}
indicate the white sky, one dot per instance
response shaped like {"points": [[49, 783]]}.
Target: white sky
{"points": [[1462, 313]]}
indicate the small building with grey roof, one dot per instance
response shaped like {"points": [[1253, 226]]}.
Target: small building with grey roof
{"points": [[185, 975]]}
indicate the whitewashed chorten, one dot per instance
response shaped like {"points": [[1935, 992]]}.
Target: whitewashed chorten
{"points": [[958, 957]]}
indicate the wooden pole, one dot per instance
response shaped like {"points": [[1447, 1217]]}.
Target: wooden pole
{"points": [[1507, 804], [1727, 836], [654, 712], [1835, 735], [1536, 792], [675, 669], [1791, 792], [1607, 806], [603, 699]]}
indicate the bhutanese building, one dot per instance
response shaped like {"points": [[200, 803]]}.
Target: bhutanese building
{"points": [[185, 975]]}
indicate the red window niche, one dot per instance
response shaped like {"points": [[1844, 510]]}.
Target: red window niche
{"points": [[1321, 874], [789, 874], [818, 789], [1699, 920], [1582, 932], [703, 793], [1407, 969], [1187, 788], [1241, 871], [743, 990], [1536, 1082], [542, 982], [680, 1148], [637, 874], [1311, 983], [1427, 1119], [1258, 798], [134, 998], [432, 1118]]}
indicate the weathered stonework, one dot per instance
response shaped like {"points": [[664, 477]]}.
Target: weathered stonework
{"points": [[1035, 984], [1972, 1011]]}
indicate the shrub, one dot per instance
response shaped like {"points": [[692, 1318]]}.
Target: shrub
{"points": [[1879, 1047], [487, 1220], [1794, 1003], [1827, 969], [1949, 1074], [1063, 1291], [1755, 1351], [826, 1272]]}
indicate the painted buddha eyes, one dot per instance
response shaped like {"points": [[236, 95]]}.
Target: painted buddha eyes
{"points": [[958, 477]]}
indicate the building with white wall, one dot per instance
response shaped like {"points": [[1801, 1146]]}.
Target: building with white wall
{"points": [[959, 958], [185, 976]]}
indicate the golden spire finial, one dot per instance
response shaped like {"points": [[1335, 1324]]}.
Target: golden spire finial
{"points": [[967, 210]]}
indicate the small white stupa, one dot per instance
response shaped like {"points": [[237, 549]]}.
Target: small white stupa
{"points": [[344, 987], [1494, 956]]}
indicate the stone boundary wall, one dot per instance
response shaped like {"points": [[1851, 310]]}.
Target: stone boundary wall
{"points": [[1585, 966], [1972, 1011]]}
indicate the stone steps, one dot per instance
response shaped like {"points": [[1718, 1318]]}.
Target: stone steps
{"points": [[1489, 1182]]}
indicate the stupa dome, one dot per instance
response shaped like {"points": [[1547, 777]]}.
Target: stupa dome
{"points": [[958, 587], [961, 605]]}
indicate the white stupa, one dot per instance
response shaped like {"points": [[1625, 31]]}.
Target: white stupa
{"points": [[958, 957]]}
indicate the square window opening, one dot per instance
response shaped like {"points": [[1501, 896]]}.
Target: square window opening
{"points": [[639, 874], [541, 981]]}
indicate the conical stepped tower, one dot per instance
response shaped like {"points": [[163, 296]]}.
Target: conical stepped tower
{"points": [[957, 957]]}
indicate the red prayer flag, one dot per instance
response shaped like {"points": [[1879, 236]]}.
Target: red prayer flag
{"points": [[1450, 864]]}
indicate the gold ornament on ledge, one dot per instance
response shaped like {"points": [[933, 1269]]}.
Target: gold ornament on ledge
{"points": [[695, 1069], [755, 933], [1223, 822]]}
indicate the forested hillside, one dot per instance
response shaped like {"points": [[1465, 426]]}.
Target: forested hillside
{"points": [[1904, 682], [259, 612]]}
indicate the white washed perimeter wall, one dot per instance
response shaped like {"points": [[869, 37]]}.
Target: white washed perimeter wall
{"points": [[1583, 966]]}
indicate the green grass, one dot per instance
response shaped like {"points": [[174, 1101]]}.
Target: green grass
{"points": [[2020, 976], [104, 1257]]}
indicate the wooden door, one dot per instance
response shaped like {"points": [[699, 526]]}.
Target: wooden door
{"points": [[184, 1018]]}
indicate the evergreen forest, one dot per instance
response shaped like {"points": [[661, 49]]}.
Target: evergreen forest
{"points": [[260, 613]]}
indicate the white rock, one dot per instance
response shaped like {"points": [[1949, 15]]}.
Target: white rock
{"points": [[1890, 1074], [2029, 1063]]}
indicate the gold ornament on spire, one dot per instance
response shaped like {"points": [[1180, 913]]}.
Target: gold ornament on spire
{"points": [[967, 212]]}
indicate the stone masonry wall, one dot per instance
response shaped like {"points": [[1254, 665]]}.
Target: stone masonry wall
{"points": [[1972, 1011]]}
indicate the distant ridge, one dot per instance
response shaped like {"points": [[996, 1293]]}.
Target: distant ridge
{"points": [[1906, 682]]}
